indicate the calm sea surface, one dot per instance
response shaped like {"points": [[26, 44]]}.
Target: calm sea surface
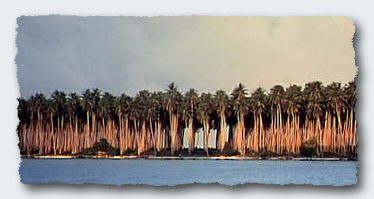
{"points": [[175, 172]]}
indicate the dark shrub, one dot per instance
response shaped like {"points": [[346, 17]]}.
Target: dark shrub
{"points": [[309, 148], [228, 151], [103, 146]]}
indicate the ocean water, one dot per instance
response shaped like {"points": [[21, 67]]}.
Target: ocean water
{"points": [[176, 172]]}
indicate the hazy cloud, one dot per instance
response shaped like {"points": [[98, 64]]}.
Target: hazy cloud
{"points": [[128, 54]]}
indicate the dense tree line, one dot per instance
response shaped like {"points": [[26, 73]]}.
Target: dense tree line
{"points": [[277, 122]]}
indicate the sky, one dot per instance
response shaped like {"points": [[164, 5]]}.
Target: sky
{"points": [[129, 54]]}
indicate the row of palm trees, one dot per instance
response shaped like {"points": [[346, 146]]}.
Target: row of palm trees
{"points": [[276, 122]]}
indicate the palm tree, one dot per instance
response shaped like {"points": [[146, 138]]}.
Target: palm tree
{"points": [[189, 115], [96, 95], [335, 101], [240, 108], [276, 98], [122, 109], [73, 108], [153, 120], [24, 117], [142, 104], [173, 105], [87, 106], [205, 115], [315, 107], [293, 105], [106, 111], [279, 122], [349, 92], [313, 94], [222, 102], [257, 103], [37, 107], [59, 99], [134, 117]]}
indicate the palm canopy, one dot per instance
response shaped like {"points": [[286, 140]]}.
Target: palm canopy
{"points": [[239, 100], [143, 103], [106, 107], [87, 100], [293, 99], [23, 109], [122, 105], [206, 107], [314, 98], [173, 98], [334, 97], [72, 104], [190, 104], [276, 97], [157, 117], [158, 99], [349, 92], [257, 101], [222, 102], [38, 104]]}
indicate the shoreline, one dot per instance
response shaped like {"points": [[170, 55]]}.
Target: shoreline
{"points": [[188, 158]]}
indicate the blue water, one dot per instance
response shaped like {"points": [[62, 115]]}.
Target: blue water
{"points": [[175, 172]]}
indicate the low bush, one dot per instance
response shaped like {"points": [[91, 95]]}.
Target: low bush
{"points": [[309, 148]]}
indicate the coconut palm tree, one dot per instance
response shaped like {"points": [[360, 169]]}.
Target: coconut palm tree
{"points": [[205, 115], [87, 106], [314, 97], [240, 108], [293, 104], [60, 102], [158, 99], [37, 108], [190, 106], [276, 98], [349, 92], [24, 117], [222, 104], [335, 101], [73, 109], [140, 119], [313, 94], [122, 106], [173, 107], [279, 122], [257, 103], [106, 112]]}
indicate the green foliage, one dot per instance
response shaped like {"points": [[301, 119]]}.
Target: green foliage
{"points": [[227, 150], [309, 148], [93, 109], [103, 146]]}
